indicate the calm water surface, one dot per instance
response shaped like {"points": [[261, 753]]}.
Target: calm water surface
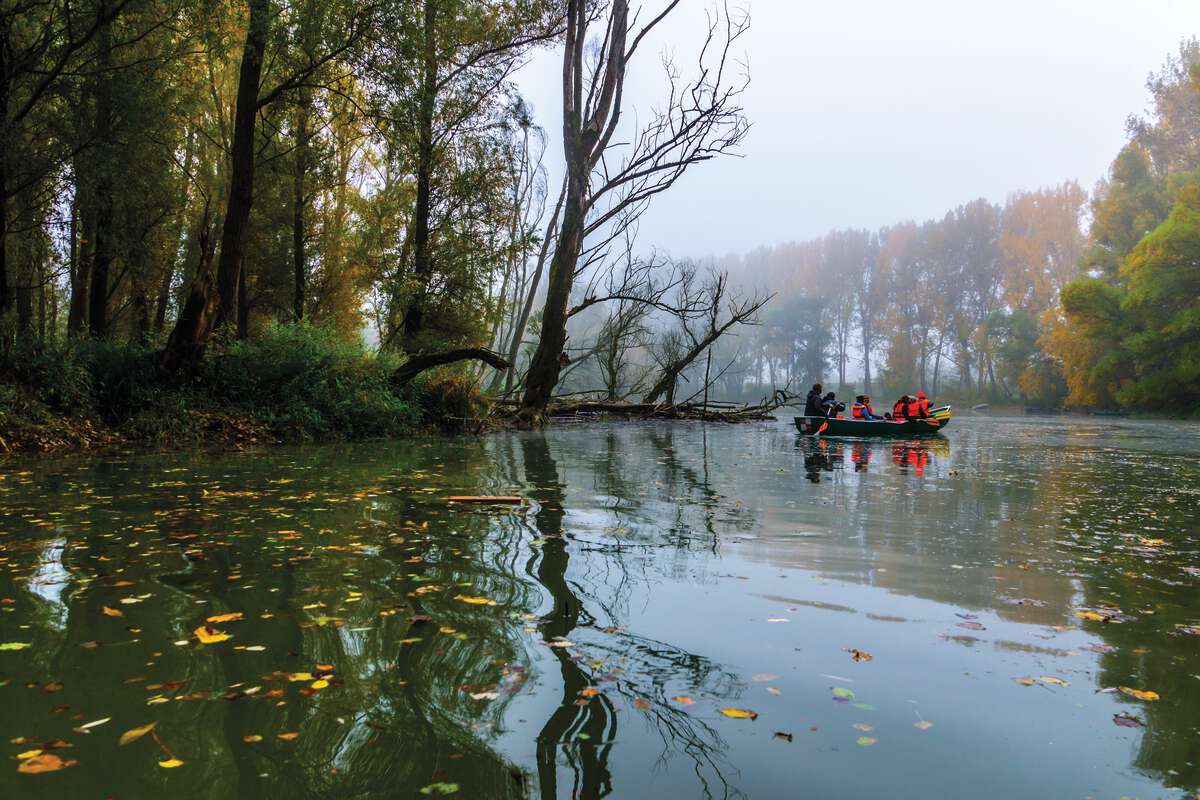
{"points": [[950, 618]]}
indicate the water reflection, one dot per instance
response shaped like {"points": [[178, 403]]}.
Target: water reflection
{"points": [[584, 646]]}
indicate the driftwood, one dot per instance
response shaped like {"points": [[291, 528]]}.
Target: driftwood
{"points": [[418, 364], [713, 411]]}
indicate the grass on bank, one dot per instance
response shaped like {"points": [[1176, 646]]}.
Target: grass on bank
{"points": [[292, 383]]}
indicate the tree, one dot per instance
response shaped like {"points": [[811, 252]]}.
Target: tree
{"points": [[702, 120]]}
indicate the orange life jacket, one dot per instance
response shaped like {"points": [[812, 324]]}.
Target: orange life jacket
{"points": [[856, 410], [923, 405], [898, 409], [913, 410]]}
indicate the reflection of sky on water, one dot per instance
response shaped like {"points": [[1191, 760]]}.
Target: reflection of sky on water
{"points": [[50, 580]]}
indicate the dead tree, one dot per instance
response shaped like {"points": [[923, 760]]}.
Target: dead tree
{"points": [[700, 120], [718, 310]]}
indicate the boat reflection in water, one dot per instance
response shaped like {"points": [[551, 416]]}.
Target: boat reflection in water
{"points": [[912, 456]]}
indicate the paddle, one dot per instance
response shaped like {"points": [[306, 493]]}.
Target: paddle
{"points": [[825, 424]]}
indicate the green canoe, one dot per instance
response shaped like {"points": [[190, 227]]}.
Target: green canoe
{"points": [[938, 419]]}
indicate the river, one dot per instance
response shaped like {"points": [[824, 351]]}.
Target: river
{"points": [[678, 610]]}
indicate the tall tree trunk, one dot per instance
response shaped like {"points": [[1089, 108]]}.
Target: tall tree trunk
{"points": [[105, 244], [163, 298], [518, 333], [200, 313], [5, 143], [243, 306], [241, 181], [414, 316], [299, 257], [77, 312]]}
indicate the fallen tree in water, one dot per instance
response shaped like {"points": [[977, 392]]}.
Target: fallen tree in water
{"points": [[711, 411]]}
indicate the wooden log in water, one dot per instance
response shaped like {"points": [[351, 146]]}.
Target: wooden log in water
{"points": [[502, 499]]}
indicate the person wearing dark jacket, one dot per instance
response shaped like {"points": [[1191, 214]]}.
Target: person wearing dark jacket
{"points": [[812, 403], [830, 407], [900, 410]]}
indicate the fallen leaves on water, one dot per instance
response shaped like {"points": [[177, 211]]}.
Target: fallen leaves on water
{"points": [[787, 737], [683, 700], [923, 725], [112, 612], [207, 634], [439, 788], [641, 704], [251, 738], [862, 726], [288, 736], [1140, 694], [763, 677], [133, 734], [739, 713], [170, 763], [45, 762], [860, 655], [475, 601], [1092, 615], [1050, 680], [972, 626], [87, 726], [1128, 721], [866, 741], [842, 694], [14, 645], [235, 615]]}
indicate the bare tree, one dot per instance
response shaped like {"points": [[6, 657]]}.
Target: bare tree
{"points": [[701, 119], [711, 310]]}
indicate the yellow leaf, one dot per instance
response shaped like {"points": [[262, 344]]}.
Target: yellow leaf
{"points": [[28, 754], [1092, 615], [1050, 680], [225, 617], [1139, 693], [300, 676], [475, 601], [210, 635], [320, 683], [170, 763], [133, 734], [112, 612], [739, 713], [866, 741], [252, 738]]}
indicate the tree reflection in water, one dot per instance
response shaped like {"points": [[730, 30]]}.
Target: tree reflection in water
{"points": [[583, 729]]}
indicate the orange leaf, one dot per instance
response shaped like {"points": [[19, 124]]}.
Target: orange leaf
{"points": [[47, 762], [112, 612], [207, 634], [739, 713], [684, 700], [225, 617], [290, 736]]}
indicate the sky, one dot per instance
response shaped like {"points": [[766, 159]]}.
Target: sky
{"points": [[869, 112]]}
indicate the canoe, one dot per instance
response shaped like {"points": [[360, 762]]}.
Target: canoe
{"points": [[939, 418]]}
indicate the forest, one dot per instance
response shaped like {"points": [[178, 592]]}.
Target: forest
{"points": [[286, 219]]}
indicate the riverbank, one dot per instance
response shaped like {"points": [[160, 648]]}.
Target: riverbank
{"points": [[292, 384]]}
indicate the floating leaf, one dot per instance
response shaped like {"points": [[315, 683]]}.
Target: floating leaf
{"points": [[842, 693], [236, 615], [47, 762], [440, 788], [15, 645], [763, 677], [641, 703], [251, 738], [87, 726], [866, 741], [923, 725], [860, 655], [972, 626], [1128, 721], [207, 634], [112, 612], [590, 691], [289, 736], [787, 737], [170, 763], [1139, 693], [133, 734], [295, 677], [739, 713], [475, 601], [684, 700], [1050, 680], [320, 683], [862, 726], [1092, 615]]}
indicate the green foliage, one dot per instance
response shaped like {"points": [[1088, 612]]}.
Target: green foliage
{"points": [[291, 383]]}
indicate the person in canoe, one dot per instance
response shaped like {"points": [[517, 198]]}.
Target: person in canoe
{"points": [[900, 409], [917, 407], [812, 403], [830, 407], [861, 409]]}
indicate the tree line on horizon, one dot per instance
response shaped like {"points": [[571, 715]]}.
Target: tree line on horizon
{"points": [[1051, 299]]}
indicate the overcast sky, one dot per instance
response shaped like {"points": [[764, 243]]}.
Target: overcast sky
{"points": [[874, 111]]}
